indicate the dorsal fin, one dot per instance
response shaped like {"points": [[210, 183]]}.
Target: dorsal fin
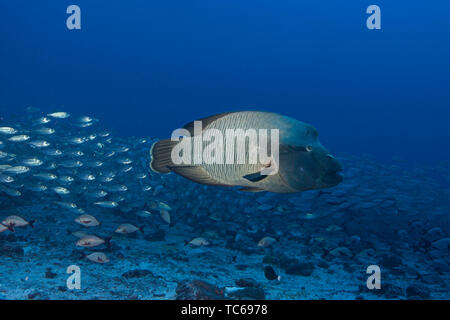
{"points": [[205, 122]]}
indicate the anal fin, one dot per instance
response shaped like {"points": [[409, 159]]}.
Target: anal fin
{"points": [[251, 189]]}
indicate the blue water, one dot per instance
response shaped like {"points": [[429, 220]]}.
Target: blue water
{"points": [[380, 100], [147, 67]]}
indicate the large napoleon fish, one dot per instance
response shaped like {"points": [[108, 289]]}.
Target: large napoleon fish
{"points": [[303, 163]]}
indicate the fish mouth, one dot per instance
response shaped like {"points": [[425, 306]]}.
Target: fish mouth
{"points": [[331, 176], [331, 179]]}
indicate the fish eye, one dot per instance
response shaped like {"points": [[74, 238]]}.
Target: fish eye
{"points": [[309, 148]]}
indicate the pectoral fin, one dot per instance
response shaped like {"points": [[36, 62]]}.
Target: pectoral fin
{"points": [[255, 177]]}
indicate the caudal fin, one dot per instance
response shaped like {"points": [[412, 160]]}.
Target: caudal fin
{"points": [[161, 155]]}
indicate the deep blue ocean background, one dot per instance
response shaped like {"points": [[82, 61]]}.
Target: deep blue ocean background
{"points": [[147, 67]]}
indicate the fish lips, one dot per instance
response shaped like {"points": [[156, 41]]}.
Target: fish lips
{"points": [[331, 179], [331, 176]]}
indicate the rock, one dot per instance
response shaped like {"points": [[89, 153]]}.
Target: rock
{"points": [[241, 266], [417, 291], [62, 288], [247, 282], [441, 266], [391, 291], [198, 290], [37, 295], [158, 235], [270, 273], [341, 252], [390, 261], [323, 264], [265, 207], [49, 274], [434, 234], [11, 251], [248, 293], [442, 245], [301, 269], [137, 273], [77, 254]]}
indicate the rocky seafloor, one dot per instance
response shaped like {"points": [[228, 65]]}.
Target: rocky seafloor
{"points": [[394, 215]]}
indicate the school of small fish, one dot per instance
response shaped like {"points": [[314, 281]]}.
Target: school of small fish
{"points": [[59, 171], [74, 166]]}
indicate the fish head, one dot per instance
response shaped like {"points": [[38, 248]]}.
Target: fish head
{"points": [[309, 166]]}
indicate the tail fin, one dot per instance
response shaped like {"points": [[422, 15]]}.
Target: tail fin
{"points": [[160, 153], [141, 229], [31, 223]]}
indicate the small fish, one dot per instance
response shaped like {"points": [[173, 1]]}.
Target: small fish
{"points": [[7, 130], [266, 242], [86, 176], [90, 241], [59, 115], [87, 221], [39, 144], [67, 205], [19, 138], [165, 215], [79, 234], [164, 206], [106, 204], [3, 228], [76, 140], [16, 170], [37, 187], [144, 213], [127, 228], [66, 179], [85, 119], [199, 242], [98, 257], [94, 164], [42, 120], [53, 152], [10, 192], [97, 194], [61, 190], [16, 221], [6, 179], [71, 164], [140, 176], [116, 188], [124, 161], [45, 176], [76, 153], [32, 162], [44, 131]]}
